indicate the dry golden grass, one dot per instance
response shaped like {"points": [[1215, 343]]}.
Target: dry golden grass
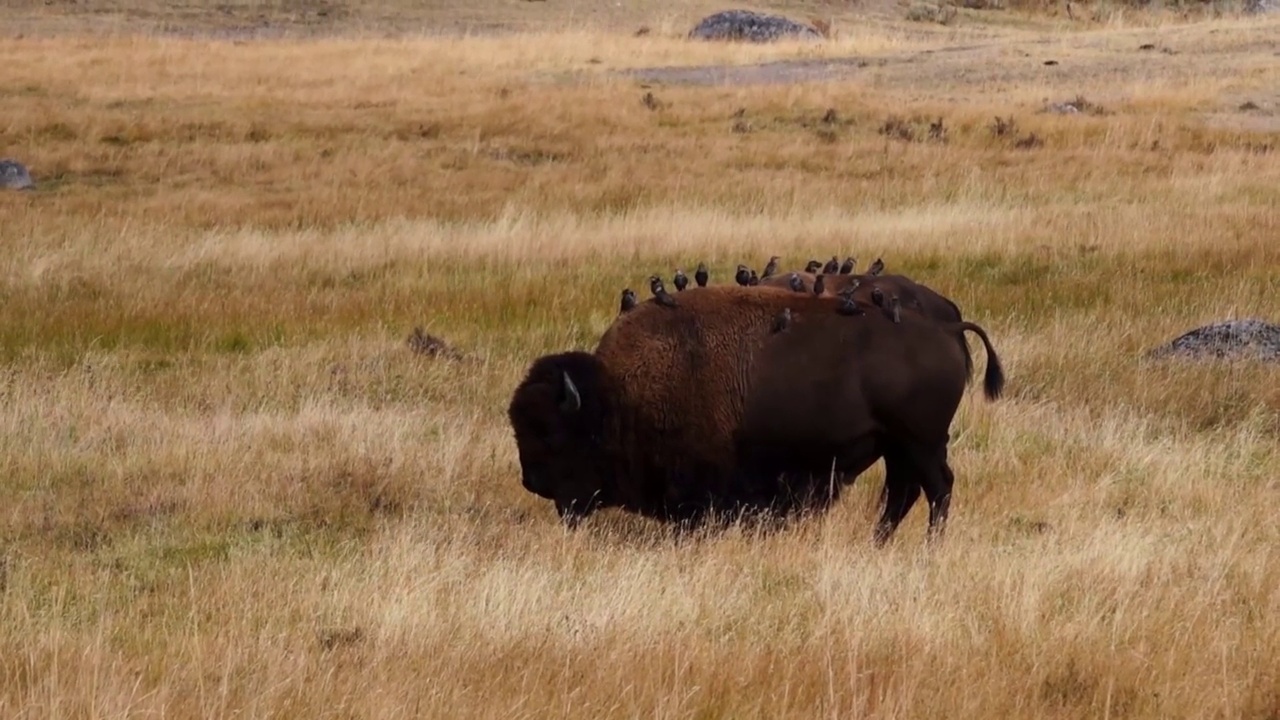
{"points": [[230, 489]]}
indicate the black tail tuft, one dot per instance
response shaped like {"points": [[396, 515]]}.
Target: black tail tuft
{"points": [[993, 379]]}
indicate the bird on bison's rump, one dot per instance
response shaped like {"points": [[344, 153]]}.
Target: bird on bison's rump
{"points": [[681, 414], [911, 294]]}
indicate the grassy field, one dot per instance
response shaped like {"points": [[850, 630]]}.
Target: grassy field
{"points": [[229, 488]]}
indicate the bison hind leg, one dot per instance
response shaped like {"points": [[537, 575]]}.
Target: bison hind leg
{"points": [[909, 469], [937, 489], [902, 484]]}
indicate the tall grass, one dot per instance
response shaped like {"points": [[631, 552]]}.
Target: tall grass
{"points": [[230, 488]]}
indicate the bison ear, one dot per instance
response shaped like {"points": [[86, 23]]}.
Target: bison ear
{"points": [[572, 400]]}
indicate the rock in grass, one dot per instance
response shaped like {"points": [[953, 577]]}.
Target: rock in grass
{"points": [[751, 27], [14, 176], [941, 13], [426, 344], [1248, 339]]}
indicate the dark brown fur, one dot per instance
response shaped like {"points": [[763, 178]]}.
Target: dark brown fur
{"points": [[704, 408]]}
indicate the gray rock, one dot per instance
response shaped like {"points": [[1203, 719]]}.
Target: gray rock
{"points": [[1248, 339], [941, 13], [14, 176], [1258, 7], [751, 27]]}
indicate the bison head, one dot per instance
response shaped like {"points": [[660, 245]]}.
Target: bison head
{"points": [[558, 416]]}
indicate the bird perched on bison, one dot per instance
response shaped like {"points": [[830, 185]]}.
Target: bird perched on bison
{"points": [[866, 288], [660, 293], [685, 415], [770, 267], [912, 295]]}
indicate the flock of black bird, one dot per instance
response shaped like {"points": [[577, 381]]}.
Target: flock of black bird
{"points": [[747, 277]]}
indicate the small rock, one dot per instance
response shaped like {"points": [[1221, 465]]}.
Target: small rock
{"points": [[1249, 105], [425, 344], [1071, 107], [1029, 142], [15, 176], [330, 638], [1250, 338], [1147, 46], [751, 27], [930, 12]]}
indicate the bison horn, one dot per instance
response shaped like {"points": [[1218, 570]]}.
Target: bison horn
{"points": [[572, 400]]}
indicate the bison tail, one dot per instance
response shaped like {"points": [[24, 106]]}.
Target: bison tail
{"points": [[993, 380]]}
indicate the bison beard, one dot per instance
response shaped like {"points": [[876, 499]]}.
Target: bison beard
{"points": [[704, 410]]}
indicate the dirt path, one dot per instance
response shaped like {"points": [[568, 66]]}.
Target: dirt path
{"points": [[1106, 67]]}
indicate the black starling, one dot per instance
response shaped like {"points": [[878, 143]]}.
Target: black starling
{"points": [[754, 279], [796, 283], [681, 280], [876, 268], [782, 321], [813, 266], [743, 276], [847, 306], [628, 300], [877, 297], [771, 268], [819, 285], [896, 308], [660, 292], [700, 275], [833, 266], [847, 267]]}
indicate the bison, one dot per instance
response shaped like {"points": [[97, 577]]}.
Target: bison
{"points": [[683, 413]]}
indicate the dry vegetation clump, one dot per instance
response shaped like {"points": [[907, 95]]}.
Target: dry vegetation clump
{"points": [[232, 488]]}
